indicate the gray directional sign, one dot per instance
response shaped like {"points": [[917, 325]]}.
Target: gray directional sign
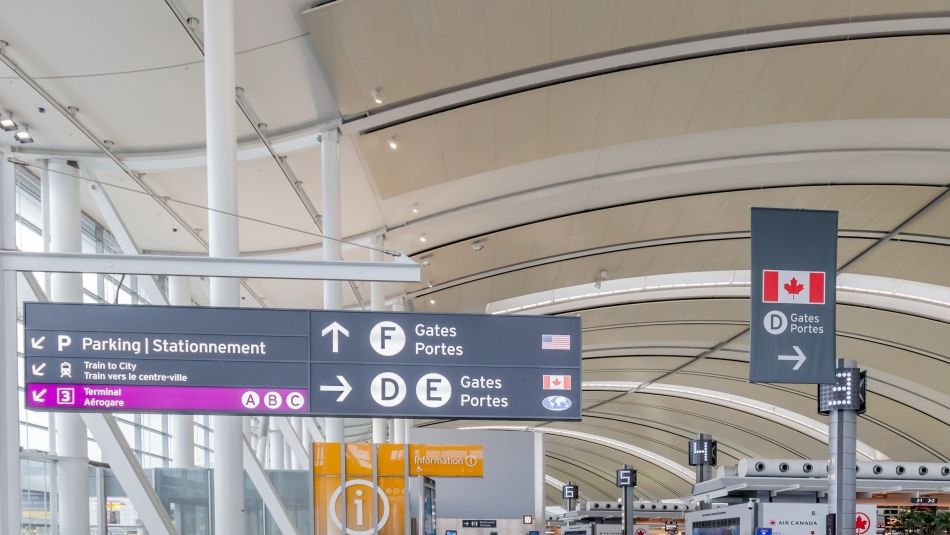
{"points": [[794, 264], [251, 361]]}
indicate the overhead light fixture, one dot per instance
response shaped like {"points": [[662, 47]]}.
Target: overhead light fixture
{"points": [[422, 238], [601, 278], [6, 121], [375, 94], [414, 208], [429, 284], [478, 245], [392, 143], [23, 135], [425, 260], [431, 301]]}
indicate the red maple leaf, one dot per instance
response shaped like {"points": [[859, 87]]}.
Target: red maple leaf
{"points": [[861, 523], [793, 287]]}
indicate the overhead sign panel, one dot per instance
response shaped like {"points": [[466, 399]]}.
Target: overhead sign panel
{"points": [[254, 361], [794, 265]]}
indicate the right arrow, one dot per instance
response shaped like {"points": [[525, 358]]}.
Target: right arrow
{"points": [[799, 357], [38, 369], [39, 396], [37, 343], [344, 388]]}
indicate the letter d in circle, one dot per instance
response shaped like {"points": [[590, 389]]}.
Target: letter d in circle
{"points": [[388, 389], [775, 322]]}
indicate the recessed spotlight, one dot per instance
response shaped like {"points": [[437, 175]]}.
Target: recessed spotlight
{"points": [[23, 135], [375, 94], [414, 208], [422, 238], [392, 143], [478, 245], [431, 301], [425, 260], [6, 122], [429, 284]]}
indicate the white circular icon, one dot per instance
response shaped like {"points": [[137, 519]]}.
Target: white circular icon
{"points": [[250, 399], [295, 400], [272, 400], [471, 460], [361, 507], [387, 338], [775, 322], [388, 389], [433, 390]]}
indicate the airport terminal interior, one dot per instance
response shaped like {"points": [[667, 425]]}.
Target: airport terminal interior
{"points": [[475, 267]]}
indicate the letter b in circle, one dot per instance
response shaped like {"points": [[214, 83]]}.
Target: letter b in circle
{"points": [[387, 338], [388, 389], [775, 322]]}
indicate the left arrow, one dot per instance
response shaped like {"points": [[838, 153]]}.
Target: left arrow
{"points": [[38, 369], [343, 388], [39, 396], [37, 343]]}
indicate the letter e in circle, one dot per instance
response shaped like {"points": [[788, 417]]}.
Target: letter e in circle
{"points": [[387, 338], [433, 390], [388, 389], [775, 322]]}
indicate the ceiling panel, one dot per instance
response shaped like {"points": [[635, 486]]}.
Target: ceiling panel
{"points": [[404, 47]]}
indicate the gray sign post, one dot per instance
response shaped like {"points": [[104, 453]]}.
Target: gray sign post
{"points": [[627, 481], [792, 322], [843, 402], [118, 358]]}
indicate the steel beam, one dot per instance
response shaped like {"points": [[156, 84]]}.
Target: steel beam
{"points": [[9, 415], [258, 477], [127, 470], [292, 439], [402, 270]]}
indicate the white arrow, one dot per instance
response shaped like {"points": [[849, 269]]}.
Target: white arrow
{"points": [[343, 388], [799, 358], [39, 396], [38, 369], [337, 330], [37, 343]]}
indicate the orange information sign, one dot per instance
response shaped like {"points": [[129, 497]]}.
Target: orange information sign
{"points": [[446, 460], [352, 505]]}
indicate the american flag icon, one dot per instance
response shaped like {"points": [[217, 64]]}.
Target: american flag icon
{"points": [[556, 341]]}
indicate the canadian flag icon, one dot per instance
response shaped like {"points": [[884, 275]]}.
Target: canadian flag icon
{"points": [[556, 382], [798, 287]]}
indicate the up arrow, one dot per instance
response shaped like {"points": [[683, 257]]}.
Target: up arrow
{"points": [[799, 357], [39, 396], [343, 388], [37, 343], [337, 330], [38, 369]]}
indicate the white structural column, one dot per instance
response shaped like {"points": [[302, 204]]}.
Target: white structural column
{"points": [[182, 426], [218, 22], [65, 237], [275, 448], [9, 413], [332, 250], [399, 426], [377, 301]]}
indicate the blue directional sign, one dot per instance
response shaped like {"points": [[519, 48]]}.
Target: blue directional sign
{"points": [[330, 363], [792, 296]]}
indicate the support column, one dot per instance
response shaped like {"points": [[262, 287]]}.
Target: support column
{"points": [[332, 250], [9, 412], [218, 22], [377, 301], [65, 237], [181, 426], [842, 467], [398, 425], [297, 423], [275, 448]]}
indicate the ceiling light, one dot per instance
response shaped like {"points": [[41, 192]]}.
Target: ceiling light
{"points": [[431, 301], [6, 122], [392, 143], [414, 208], [478, 245], [375, 94], [422, 238], [425, 260], [23, 135]]}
